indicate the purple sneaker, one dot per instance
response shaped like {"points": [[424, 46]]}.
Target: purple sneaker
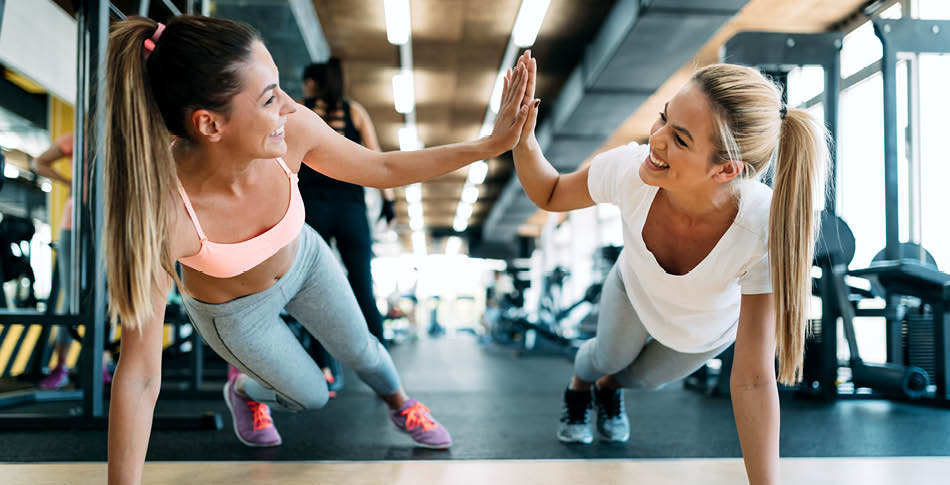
{"points": [[252, 422], [56, 379], [416, 420]]}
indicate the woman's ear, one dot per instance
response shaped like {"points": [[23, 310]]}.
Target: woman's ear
{"points": [[207, 125], [728, 171]]}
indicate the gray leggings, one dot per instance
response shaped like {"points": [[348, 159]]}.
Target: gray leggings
{"points": [[624, 348], [249, 333]]}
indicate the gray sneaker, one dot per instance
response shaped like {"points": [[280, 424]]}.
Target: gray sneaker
{"points": [[612, 422], [575, 421]]}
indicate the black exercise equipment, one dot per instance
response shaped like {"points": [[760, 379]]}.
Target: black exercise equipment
{"points": [[92, 19]]}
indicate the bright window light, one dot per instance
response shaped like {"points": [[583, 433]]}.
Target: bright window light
{"points": [[470, 194], [409, 139], [477, 172], [10, 172], [861, 47], [496, 92], [460, 224], [397, 21], [933, 9], [416, 224], [528, 22], [404, 96], [413, 193]]}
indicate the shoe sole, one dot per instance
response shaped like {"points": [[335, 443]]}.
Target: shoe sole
{"points": [[564, 439], [432, 447], [227, 400], [423, 445], [607, 439]]}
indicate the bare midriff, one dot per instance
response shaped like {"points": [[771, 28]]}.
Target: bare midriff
{"points": [[213, 290]]}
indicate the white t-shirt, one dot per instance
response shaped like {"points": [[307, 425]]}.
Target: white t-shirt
{"points": [[698, 311]]}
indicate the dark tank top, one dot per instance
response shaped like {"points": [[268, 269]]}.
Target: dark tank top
{"points": [[315, 185]]}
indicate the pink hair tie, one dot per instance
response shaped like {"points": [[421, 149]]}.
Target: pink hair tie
{"points": [[150, 43]]}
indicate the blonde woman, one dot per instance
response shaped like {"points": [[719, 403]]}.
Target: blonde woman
{"points": [[711, 255], [223, 201]]}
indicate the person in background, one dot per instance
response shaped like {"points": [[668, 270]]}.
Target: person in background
{"points": [[337, 209], [43, 166]]}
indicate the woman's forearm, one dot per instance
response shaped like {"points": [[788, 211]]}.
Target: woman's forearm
{"points": [[402, 168], [130, 423], [756, 410], [538, 177]]}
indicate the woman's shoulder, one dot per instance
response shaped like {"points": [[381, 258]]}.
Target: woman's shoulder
{"points": [[303, 131], [181, 231], [755, 201]]}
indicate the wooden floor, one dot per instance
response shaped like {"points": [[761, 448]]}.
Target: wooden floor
{"points": [[808, 471]]}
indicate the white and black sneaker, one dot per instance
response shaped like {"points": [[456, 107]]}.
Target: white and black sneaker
{"points": [[612, 422], [575, 421]]}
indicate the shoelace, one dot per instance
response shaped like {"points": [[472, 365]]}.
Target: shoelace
{"points": [[261, 415], [576, 411], [610, 401], [418, 415]]}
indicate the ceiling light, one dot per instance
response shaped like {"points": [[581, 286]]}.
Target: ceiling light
{"points": [[397, 21], [46, 187], [452, 245], [415, 210], [413, 193], [487, 128], [528, 22], [404, 96], [496, 91], [419, 242], [464, 210], [477, 172], [409, 139], [460, 224], [469, 194], [416, 224]]}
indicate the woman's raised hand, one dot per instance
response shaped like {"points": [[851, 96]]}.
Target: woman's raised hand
{"points": [[514, 109], [528, 100]]}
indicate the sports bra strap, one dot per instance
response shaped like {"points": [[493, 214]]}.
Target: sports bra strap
{"points": [[191, 211], [284, 166]]}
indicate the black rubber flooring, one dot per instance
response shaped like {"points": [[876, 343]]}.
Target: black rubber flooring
{"points": [[499, 406]]}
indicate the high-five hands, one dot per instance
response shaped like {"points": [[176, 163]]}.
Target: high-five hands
{"points": [[514, 110]]}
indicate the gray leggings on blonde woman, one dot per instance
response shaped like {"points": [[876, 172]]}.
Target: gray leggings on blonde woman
{"points": [[249, 333], [624, 348]]}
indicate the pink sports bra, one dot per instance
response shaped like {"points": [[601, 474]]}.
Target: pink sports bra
{"points": [[222, 260]]}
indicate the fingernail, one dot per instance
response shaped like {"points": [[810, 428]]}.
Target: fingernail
{"points": [[537, 102]]}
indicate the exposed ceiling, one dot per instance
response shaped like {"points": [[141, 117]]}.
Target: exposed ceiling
{"points": [[458, 47]]}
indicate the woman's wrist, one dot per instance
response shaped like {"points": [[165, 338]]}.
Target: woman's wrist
{"points": [[528, 144]]}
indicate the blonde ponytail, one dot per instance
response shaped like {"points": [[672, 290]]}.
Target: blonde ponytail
{"points": [[139, 179], [793, 224], [752, 127]]}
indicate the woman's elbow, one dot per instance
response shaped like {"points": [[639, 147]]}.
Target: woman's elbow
{"points": [[750, 381]]}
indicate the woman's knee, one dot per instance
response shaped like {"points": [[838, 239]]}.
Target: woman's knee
{"points": [[364, 359], [632, 379], [310, 400], [607, 360]]}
